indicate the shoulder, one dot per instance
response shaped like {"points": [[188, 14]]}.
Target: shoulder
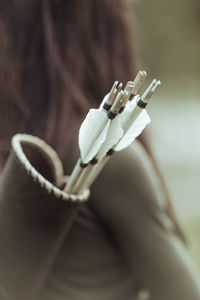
{"points": [[132, 171], [130, 181]]}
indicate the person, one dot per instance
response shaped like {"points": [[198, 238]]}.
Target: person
{"points": [[59, 58]]}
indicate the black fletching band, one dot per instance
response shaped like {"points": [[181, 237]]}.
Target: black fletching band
{"points": [[106, 106], [131, 97], [111, 115], [82, 165], [110, 152], [121, 109], [94, 161], [141, 103]]}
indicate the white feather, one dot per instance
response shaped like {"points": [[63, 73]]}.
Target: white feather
{"points": [[92, 134], [126, 118], [130, 106], [114, 134], [135, 129]]}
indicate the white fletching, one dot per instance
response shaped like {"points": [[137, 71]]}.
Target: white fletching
{"points": [[92, 134], [98, 134], [114, 134], [137, 127], [130, 106], [126, 118], [132, 128]]}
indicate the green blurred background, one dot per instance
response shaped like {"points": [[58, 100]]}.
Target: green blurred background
{"points": [[167, 46]]}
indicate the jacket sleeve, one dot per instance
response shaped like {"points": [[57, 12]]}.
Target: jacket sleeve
{"points": [[35, 217]]}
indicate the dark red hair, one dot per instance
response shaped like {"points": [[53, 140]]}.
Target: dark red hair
{"points": [[58, 58]]}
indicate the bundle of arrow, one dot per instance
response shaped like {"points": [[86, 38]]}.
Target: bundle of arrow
{"points": [[120, 118]]}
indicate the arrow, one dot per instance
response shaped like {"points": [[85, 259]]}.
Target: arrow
{"points": [[135, 117], [94, 131], [134, 120], [111, 134]]}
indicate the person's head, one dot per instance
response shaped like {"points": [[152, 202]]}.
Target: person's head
{"points": [[58, 58]]}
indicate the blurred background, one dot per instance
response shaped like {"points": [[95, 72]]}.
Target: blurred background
{"points": [[168, 48]]}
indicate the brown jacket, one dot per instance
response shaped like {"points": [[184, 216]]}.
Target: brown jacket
{"points": [[119, 245]]}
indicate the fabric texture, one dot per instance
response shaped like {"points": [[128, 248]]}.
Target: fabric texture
{"points": [[120, 245], [34, 222]]}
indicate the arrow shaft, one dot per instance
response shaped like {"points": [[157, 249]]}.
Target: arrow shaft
{"points": [[131, 118], [90, 177], [74, 177], [82, 180]]}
